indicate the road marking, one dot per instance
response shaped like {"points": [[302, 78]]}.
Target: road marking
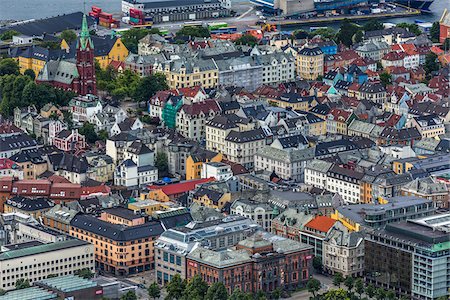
{"points": [[244, 14]]}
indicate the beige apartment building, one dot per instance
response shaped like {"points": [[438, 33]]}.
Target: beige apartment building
{"points": [[36, 261], [310, 63]]}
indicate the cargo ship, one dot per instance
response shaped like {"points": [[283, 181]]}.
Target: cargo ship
{"points": [[423, 5]]}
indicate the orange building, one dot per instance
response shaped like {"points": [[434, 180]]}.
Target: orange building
{"points": [[120, 250], [170, 192], [120, 215]]}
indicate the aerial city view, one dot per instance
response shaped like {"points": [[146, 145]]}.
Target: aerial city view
{"points": [[225, 149]]}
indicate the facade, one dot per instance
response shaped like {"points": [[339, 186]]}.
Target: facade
{"points": [[36, 261], [175, 11], [346, 182], [343, 251], [84, 107], [310, 63], [184, 72], [220, 171], [429, 126], [243, 71], [415, 256], [261, 213], [287, 164], [120, 250], [67, 140], [257, 264], [428, 188], [172, 247]]}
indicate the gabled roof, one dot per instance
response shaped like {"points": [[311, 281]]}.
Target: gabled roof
{"points": [[182, 187]]}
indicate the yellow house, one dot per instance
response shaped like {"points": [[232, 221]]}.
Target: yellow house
{"points": [[350, 224], [31, 162], [194, 163], [50, 109], [106, 49], [149, 206], [34, 57], [310, 63], [183, 73], [295, 101], [211, 198]]}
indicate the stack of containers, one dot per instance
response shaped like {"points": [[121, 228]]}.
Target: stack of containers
{"points": [[105, 19], [95, 12], [136, 16]]}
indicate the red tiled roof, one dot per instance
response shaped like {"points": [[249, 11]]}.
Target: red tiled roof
{"points": [[179, 188], [8, 128], [337, 113], [195, 109], [87, 191], [350, 101], [321, 223], [189, 91], [354, 87], [393, 56], [393, 120], [6, 163], [58, 179], [115, 64], [236, 168]]}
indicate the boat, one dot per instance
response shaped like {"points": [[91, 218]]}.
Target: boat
{"points": [[423, 5]]}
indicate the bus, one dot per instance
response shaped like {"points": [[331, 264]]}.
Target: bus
{"points": [[216, 25], [224, 30], [193, 24]]}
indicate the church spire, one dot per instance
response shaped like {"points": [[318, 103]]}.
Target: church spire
{"points": [[85, 37]]}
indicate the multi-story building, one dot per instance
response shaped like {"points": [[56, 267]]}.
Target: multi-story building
{"points": [[277, 67], [33, 207], [257, 264], [287, 164], [241, 146], [59, 217], [245, 71], [191, 72], [358, 216], [119, 249], [195, 162], [219, 170], [316, 173], [10, 145], [373, 50], [191, 118], [36, 261], [172, 247], [343, 251], [261, 213], [67, 140], [346, 182], [429, 126], [31, 162], [310, 63], [314, 232], [374, 92], [428, 188], [173, 11], [411, 257], [84, 107]]}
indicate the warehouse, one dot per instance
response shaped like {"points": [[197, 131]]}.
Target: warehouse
{"points": [[176, 10]]}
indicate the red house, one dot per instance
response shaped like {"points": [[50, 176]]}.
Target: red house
{"points": [[67, 140]]}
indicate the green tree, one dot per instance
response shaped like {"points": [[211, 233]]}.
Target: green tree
{"points": [[346, 32], [338, 279], [359, 286], [193, 31], [175, 288], [385, 78], [317, 263], [30, 73], [349, 282], [301, 34], [431, 63], [8, 35], [260, 295], [380, 294], [85, 273], [358, 37], [411, 27], [373, 25], [239, 295], [390, 295], [154, 291], [370, 290], [338, 294], [246, 39], [435, 32], [130, 38], [88, 130], [326, 33], [161, 163], [148, 86], [446, 44], [276, 294], [69, 36], [217, 291], [2, 292], [102, 135], [22, 283], [313, 286], [8, 66], [130, 295], [195, 289]]}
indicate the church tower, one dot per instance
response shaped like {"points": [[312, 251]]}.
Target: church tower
{"points": [[85, 61]]}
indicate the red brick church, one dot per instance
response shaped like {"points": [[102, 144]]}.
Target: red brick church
{"points": [[78, 76]]}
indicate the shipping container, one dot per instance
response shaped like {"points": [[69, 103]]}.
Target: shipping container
{"points": [[105, 15], [96, 9]]}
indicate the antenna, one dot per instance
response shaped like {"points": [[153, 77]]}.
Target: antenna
{"points": [[84, 6]]}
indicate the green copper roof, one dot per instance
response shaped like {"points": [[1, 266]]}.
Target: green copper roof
{"points": [[85, 37]]}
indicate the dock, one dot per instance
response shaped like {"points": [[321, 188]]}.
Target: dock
{"points": [[409, 12]]}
